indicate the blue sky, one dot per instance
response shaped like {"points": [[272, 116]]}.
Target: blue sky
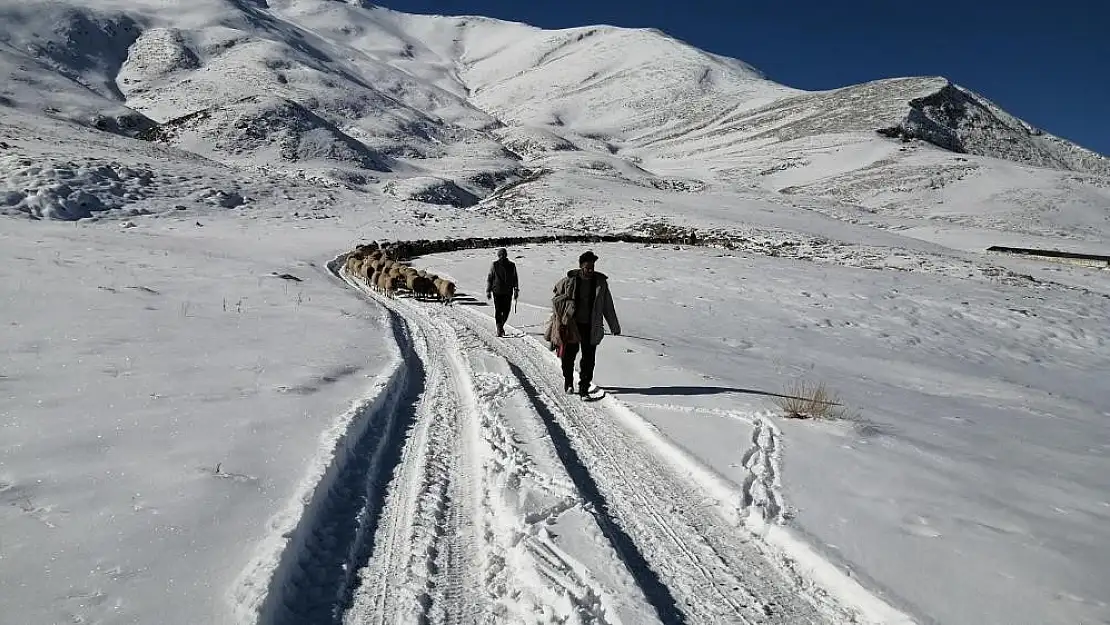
{"points": [[1046, 62]]}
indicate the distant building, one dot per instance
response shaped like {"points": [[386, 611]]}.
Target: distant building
{"points": [[1088, 260]]}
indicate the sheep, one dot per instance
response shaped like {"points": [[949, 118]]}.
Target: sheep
{"points": [[422, 286], [364, 252], [385, 284], [355, 270], [419, 284], [445, 289], [354, 266]]}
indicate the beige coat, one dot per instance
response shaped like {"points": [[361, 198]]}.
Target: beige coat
{"points": [[561, 327]]}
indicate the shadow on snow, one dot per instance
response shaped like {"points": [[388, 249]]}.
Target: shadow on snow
{"points": [[655, 591]]}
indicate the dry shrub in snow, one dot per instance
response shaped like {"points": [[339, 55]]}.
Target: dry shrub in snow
{"points": [[804, 399]]}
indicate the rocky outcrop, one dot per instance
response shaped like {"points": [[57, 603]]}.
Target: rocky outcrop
{"points": [[260, 128], [959, 120], [431, 190]]}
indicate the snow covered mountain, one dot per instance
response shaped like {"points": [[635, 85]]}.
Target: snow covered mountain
{"points": [[366, 96]]}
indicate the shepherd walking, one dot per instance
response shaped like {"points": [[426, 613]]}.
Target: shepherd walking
{"points": [[581, 301], [504, 286]]}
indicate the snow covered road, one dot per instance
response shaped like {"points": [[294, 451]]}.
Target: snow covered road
{"points": [[481, 492]]}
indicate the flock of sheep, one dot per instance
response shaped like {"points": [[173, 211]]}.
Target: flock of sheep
{"points": [[382, 266], [383, 271], [661, 235]]}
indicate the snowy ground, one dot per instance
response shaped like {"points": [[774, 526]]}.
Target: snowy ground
{"points": [[689, 559], [279, 409], [162, 398], [978, 440], [165, 397]]}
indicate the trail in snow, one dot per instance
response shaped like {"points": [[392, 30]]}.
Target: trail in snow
{"points": [[487, 494], [710, 565], [657, 592], [762, 487], [465, 532], [426, 542]]}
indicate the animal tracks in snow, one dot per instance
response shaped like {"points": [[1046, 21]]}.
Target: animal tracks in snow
{"points": [[762, 486], [761, 489], [23, 500]]}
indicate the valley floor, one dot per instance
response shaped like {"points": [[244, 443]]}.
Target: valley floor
{"points": [[203, 422]]}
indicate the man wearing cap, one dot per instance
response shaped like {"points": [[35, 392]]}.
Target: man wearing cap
{"points": [[581, 301], [503, 285]]}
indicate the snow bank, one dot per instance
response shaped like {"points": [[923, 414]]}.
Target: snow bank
{"points": [[163, 396]]}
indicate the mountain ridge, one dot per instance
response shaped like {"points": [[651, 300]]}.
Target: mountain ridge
{"points": [[375, 96], [109, 52]]}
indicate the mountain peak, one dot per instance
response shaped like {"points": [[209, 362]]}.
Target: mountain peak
{"points": [[958, 119]]}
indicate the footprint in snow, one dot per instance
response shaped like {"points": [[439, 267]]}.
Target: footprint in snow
{"points": [[493, 386], [919, 526]]}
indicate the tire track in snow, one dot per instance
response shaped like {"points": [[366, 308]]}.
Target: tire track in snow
{"points": [[658, 594], [685, 550], [655, 592], [313, 576], [423, 568], [452, 547], [709, 566], [522, 500]]}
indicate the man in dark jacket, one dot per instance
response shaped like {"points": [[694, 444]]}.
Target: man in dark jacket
{"points": [[582, 300], [503, 285]]}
